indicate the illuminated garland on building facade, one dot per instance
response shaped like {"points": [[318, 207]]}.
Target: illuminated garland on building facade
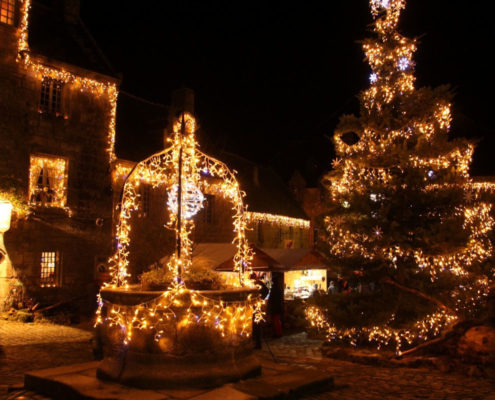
{"points": [[39, 70], [277, 220], [402, 149], [182, 165]]}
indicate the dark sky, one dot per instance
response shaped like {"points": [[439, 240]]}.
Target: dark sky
{"points": [[272, 77]]}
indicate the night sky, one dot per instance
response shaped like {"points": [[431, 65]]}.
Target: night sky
{"points": [[272, 78]]}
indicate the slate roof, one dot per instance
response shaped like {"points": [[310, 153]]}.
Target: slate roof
{"points": [[265, 190], [56, 36]]}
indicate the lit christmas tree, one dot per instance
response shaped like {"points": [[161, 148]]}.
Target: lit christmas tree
{"points": [[407, 223]]}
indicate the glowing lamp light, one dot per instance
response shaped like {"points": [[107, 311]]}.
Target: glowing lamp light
{"points": [[192, 199], [5, 214]]}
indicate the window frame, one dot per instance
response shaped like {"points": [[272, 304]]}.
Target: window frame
{"points": [[10, 14], [50, 89], [50, 269], [60, 180]]}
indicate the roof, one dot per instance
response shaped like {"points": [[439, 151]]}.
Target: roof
{"points": [[298, 258], [55, 34], [265, 190]]}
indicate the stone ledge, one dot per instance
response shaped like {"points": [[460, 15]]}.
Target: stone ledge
{"points": [[78, 381]]}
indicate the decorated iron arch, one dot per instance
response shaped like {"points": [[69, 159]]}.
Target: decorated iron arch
{"points": [[186, 173]]}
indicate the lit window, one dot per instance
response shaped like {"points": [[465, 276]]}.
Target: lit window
{"points": [[7, 11], [51, 96], [49, 268], [48, 181]]}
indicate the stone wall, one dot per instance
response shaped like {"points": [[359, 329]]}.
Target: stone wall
{"points": [[79, 134]]}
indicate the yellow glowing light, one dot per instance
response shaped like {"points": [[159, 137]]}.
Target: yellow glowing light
{"points": [[277, 220], [39, 70], [162, 169]]}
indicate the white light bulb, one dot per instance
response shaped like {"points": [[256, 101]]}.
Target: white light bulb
{"points": [[373, 77]]}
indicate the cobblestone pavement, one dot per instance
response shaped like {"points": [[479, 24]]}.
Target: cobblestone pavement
{"points": [[353, 381], [25, 347], [356, 381]]}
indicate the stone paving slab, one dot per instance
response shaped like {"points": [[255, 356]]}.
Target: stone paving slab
{"points": [[79, 382], [22, 334]]}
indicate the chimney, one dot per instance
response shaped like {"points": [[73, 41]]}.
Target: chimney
{"points": [[182, 100]]}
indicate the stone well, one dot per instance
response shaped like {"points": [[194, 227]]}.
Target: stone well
{"points": [[195, 355]]}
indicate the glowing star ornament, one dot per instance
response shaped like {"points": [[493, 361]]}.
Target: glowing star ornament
{"points": [[373, 77], [192, 199], [403, 64]]}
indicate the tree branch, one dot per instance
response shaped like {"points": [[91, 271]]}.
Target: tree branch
{"points": [[419, 294]]}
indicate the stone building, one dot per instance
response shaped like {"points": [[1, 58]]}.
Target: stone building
{"points": [[57, 115]]}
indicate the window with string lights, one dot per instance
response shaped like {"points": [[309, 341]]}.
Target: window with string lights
{"points": [[48, 181]]}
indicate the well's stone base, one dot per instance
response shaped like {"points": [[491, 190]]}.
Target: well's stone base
{"points": [[160, 371]]}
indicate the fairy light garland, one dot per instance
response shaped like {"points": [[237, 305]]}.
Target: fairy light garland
{"points": [[54, 170], [277, 220], [424, 329], [93, 86], [206, 175]]}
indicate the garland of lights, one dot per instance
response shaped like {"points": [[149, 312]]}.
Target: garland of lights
{"points": [[84, 84], [367, 165], [182, 165], [424, 329], [277, 219]]}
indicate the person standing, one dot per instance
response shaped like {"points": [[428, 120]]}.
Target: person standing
{"points": [[257, 329]]}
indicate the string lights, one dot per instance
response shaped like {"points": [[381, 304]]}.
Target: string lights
{"points": [[400, 186], [186, 173], [48, 181], [277, 220], [84, 84]]}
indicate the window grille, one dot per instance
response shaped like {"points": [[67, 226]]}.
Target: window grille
{"points": [[7, 11], [51, 96], [49, 268]]}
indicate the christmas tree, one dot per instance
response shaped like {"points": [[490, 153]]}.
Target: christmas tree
{"points": [[406, 222]]}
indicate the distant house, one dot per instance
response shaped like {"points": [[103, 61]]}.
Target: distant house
{"points": [[57, 115]]}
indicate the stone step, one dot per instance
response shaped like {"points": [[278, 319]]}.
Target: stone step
{"points": [[78, 382]]}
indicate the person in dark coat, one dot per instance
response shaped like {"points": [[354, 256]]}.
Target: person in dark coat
{"points": [[276, 305], [257, 333]]}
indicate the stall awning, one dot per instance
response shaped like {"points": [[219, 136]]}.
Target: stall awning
{"points": [[296, 259]]}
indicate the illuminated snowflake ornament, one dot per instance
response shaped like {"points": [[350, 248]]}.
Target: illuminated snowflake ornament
{"points": [[403, 63], [192, 199], [373, 77]]}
